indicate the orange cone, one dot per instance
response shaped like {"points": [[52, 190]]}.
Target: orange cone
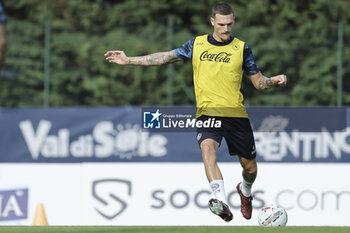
{"points": [[40, 216]]}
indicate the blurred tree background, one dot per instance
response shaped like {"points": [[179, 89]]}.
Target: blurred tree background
{"points": [[295, 37]]}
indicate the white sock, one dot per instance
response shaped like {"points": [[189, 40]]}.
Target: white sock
{"points": [[217, 187], [246, 188]]}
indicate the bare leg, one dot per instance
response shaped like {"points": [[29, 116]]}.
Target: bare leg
{"points": [[219, 205], [209, 149], [244, 188], [249, 169]]}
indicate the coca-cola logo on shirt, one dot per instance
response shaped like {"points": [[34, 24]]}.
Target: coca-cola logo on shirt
{"points": [[216, 57]]}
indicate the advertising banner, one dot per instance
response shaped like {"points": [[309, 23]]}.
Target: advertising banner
{"points": [[13, 204], [126, 134], [57, 186], [168, 193], [126, 166], [178, 194]]}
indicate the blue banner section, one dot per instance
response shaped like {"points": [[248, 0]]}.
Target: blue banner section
{"points": [[117, 134]]}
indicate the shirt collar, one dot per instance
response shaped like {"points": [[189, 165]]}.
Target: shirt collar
{"points": [[212, 40]]}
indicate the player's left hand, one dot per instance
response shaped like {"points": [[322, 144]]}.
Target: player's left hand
{"points": [[280, 80]]}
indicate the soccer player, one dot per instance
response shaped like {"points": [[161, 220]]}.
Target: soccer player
{"points": [[218, 61]]}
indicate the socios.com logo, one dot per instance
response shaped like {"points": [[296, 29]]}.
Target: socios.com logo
{"points": [[152, 120], [111, 196]]}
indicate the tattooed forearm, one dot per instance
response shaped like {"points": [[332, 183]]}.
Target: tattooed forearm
{"points": [[265, 83], [155, 59]]}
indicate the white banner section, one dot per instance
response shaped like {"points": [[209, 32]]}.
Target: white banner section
{"points": [[169, 193], [178, 193], [57, 187]]}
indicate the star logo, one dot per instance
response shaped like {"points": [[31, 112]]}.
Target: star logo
{"points": [[152, 119], [156, 115]]}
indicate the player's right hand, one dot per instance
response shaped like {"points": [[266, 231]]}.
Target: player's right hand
{"points": [[117, 56]]}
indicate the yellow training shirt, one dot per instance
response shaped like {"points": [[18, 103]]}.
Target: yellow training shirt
{"points": [[217, 77]]}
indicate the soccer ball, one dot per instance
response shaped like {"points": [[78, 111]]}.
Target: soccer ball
{"points": [[272, 216]]}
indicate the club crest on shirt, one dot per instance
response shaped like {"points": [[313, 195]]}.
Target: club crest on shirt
{"points": [[235, 47]]}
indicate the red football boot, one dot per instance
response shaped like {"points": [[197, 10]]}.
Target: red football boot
{"points": [[246, 203]]}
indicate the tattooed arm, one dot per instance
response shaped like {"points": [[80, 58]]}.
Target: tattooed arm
{"points": [[154, 59], [261, 82]]}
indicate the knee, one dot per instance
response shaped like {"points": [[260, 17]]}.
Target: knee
{"points": [[208, 153], [251, 168], [207, 149]]}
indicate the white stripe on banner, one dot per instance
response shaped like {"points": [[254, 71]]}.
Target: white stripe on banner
{"points": [[172, 193]]}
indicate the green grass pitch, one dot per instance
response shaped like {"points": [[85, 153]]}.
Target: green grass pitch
{"points": [[169, 229]]}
